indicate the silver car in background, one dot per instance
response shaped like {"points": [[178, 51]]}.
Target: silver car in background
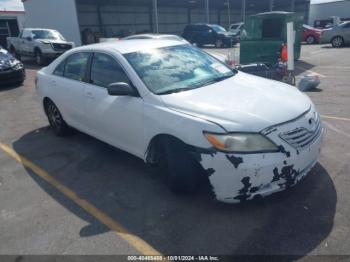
{"points": [[338, 35]]}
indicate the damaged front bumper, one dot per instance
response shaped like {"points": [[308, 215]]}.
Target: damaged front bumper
{"points": [[240, 177]]}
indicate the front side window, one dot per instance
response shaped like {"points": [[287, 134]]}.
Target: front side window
{"points": [[105, 70], [26, 33], [76, 66], [218, 29], [177, 68]]}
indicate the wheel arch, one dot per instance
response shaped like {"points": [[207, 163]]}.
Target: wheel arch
{"points": [[154, 146]]}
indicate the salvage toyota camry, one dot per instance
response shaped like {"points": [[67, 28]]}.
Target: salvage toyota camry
{"points": [[186, 114]]}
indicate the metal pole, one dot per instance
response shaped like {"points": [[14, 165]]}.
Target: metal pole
{"points": [[290, 50], [271, 5], [156, 19], [243, 11], [206, 2], [229, 13], [292, 8]]}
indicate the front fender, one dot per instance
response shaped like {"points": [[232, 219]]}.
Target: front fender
{"points": [[186, 128]]}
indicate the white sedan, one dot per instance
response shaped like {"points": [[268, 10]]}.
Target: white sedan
{"points": [[186, 114]]}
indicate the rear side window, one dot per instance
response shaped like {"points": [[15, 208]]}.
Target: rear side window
{"points": [[76, 66], [272, 28], [59, 71], [105, 70]]}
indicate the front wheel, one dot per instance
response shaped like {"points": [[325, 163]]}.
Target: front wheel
{"points": [[337, 41], [310, 40], [58, 125]]}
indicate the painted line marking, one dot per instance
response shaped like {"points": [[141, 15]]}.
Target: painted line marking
{"points": [[133, 240], [336, 129], [335, 118]]}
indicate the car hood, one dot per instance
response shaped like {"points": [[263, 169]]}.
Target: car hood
{"points": [[7, 60], [242, 103], [54, 41]]}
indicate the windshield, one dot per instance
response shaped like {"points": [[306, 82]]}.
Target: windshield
{"points": [[218, 28], [235, 26], [177, 68], [307, 27], [47, 34]]}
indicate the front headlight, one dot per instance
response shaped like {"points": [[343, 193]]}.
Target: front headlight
{"points": [[241, 142]]}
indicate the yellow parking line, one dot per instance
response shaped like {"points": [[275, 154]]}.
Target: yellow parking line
{"points": [[133, 240], [335, 118]]}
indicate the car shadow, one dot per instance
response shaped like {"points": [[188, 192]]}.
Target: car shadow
{"points": [[301, 67], [30, 64], [293, 222], [7, 87]]}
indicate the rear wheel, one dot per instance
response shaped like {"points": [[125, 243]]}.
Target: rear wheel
{"points": [[177, 166], [310, 40], [218, 43], [58, 125], [337, 41]]}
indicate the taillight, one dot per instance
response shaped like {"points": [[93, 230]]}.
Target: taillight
{"points": [[284, 53]]}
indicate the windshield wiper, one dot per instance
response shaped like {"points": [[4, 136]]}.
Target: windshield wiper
{"points": [[215, 80], [175, 91]]}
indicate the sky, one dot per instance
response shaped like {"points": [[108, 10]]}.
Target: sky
{"points": [[13, 5]]}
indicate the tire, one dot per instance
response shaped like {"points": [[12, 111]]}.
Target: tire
{"points": [[57, 123], [310, 40], [39, 58], [177, 167], [219, 43], [337, 42]]}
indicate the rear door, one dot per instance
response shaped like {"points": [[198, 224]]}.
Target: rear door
{"points": [[346, 32], [117, 120], [68, 83], [26, 47]]}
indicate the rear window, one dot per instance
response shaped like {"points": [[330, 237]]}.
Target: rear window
{"points": [[272, 28]]}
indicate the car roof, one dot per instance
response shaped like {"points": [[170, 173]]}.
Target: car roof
{"points": [[151, 35], [130, 46]]}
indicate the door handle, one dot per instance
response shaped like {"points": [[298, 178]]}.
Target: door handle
{"points": [[53, 83]]}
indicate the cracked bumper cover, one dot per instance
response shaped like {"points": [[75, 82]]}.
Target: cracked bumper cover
{"points": [[239, 177]]}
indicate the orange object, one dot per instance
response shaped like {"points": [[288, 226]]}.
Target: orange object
{"points": [[284, 53]]}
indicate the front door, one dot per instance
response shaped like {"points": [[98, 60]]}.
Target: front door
{"points": [[117, 120]]}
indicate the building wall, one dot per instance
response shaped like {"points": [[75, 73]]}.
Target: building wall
{"points": [[59, 15], [327, 10], [19, 16], [11, 22]]}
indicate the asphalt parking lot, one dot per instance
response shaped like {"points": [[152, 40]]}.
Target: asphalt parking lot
{"points": [[77, 195]]}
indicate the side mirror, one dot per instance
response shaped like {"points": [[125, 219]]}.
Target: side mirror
{"points": [[121, 89], [210, 31], [29, 38]]}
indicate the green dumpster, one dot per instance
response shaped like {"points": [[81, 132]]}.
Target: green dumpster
{"points": [[264, 34]]}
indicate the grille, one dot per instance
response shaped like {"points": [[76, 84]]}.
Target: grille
{"points": [[301, 137], [61, 47]]}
